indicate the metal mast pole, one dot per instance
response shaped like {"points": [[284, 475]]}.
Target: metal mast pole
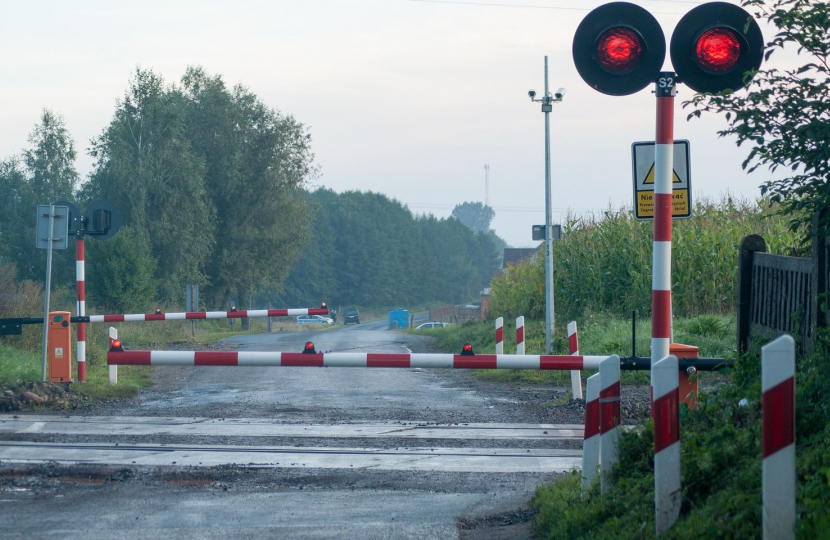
{"points": [[549, 316]]}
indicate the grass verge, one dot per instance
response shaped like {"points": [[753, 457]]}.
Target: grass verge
{"points": [[721, 468]]}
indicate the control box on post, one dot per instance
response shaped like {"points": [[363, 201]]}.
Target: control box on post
{"points": [[60, 347]]}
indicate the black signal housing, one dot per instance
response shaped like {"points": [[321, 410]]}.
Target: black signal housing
{"points": [[619, 48], [733, 30]]}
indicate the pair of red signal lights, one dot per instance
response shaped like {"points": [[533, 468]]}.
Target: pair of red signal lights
{"points": [[619, 48]]}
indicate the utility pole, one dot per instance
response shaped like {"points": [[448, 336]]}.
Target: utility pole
{"points": [[486, 185], [547, 102]]}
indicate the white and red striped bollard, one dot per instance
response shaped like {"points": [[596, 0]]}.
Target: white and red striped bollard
{"points": [[573, 348], [666, 414], [778, 387], [520, 335], [661, 257], [590, 442], [359, 360], [609, 418], [199, 315], [113, 369], [80, 293], [500, 335]]}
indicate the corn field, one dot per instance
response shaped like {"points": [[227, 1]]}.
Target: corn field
{"points": [[603, 263]]}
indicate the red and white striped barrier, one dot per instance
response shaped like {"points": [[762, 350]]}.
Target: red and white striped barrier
{"points": [[520, 335], [609, 418], [661, 257], [197, 315], [399, 360], [778, 386], [500, 335], [590, 443], [80, 291], [666, 413], [573, 348]]}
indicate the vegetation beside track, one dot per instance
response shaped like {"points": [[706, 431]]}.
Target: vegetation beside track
{"points": [[721, 468]]}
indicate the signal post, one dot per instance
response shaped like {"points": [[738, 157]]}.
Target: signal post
{"points": [[619, 49]]}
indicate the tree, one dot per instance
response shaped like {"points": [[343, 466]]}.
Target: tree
{"points": [[45, 173], [256, 161], [474, 215], [146, 168], [785, 115]]}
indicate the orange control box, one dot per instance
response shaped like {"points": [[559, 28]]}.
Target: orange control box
{"points": [[60, 347], [688, 383]]}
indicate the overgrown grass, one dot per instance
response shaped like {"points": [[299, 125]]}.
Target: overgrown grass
{"points": [[598, 335], [721, 468]]}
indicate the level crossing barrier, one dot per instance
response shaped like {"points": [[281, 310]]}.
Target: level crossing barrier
{"points": [[199, 315], [371, 360]]}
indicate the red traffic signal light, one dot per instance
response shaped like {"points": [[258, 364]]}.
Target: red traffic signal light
{"points": [[619, 48], [714, 45]]}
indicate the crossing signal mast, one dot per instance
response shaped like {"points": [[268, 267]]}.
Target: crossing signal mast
{"points": [[619, 49]]}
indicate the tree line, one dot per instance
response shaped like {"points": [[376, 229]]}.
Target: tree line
{"points": [[212, 185], [369, 250]]}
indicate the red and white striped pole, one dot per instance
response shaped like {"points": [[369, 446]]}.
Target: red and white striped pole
{"points": [[500, 335], [590, 443], [573, 348], [356, 360], [609, 418], [520, 335], [665, 90], [113, 370], [80, 290], [666, 443], [778, 386], [200, 315]]}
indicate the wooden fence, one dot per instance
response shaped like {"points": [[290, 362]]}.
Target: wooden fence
{"points": [[781, 295]]}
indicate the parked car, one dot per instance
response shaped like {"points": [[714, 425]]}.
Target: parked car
{"points": [[351, 315], [429, 325], [314, 319]]}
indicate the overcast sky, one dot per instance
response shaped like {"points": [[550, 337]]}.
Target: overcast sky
{"points": [[410, 98]]}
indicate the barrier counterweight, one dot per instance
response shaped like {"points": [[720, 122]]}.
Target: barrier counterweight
{"points": [[399, 360], [199, 315]]}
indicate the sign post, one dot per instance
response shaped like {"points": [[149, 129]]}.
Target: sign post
{"points": [[52, 233]]}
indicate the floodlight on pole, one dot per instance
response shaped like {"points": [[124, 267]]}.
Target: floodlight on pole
{"points": [[547, 100]]}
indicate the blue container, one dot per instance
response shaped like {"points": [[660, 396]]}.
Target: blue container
{"points": [[398, 318]]}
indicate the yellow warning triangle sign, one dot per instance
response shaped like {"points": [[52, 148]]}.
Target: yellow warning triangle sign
{"points": [[650, 176]]}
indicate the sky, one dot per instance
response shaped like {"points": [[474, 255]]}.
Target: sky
{"points": [[409, 98]]}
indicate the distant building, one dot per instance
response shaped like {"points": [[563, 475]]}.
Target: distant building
{"points": [[514, 255]]}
